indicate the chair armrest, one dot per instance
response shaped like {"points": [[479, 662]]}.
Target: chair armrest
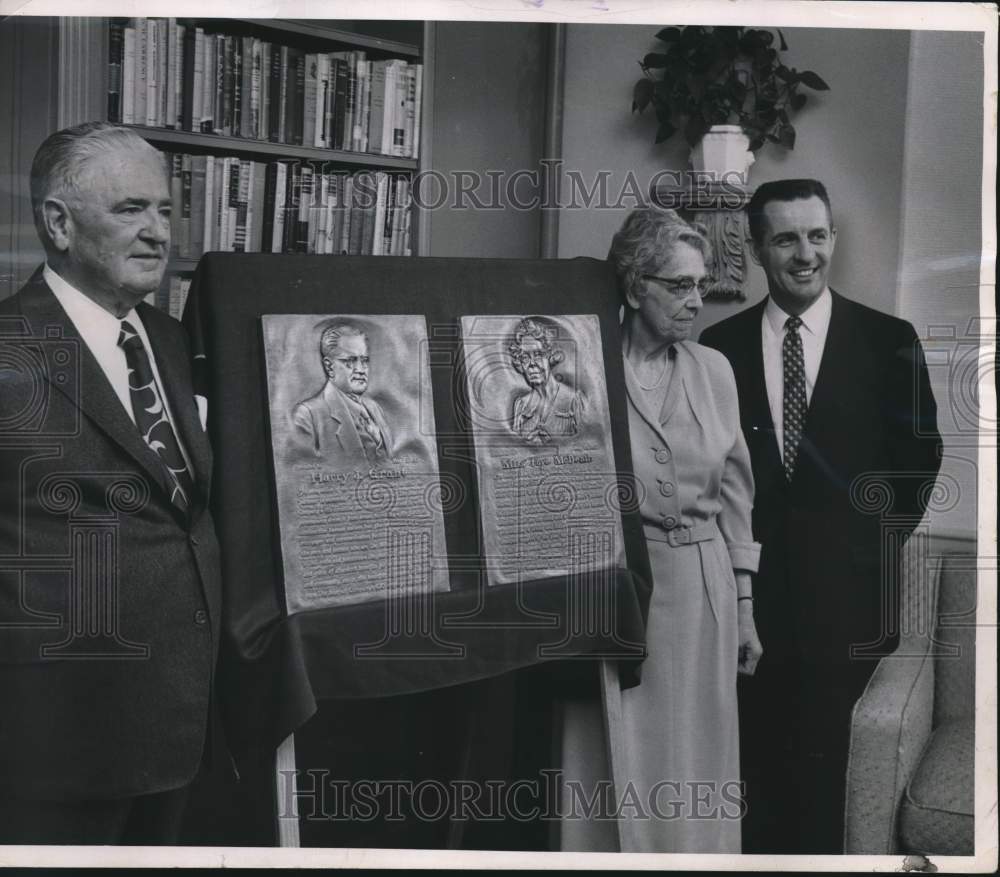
{"points": [[890, 726]]}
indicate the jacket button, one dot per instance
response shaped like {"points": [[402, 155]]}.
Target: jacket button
{"points": [[667, 488], [200, 617], [193, 540], [669, 522], [663, 456]]}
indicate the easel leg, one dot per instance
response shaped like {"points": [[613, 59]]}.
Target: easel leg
{"points": [[285, 778], [611, 699]]}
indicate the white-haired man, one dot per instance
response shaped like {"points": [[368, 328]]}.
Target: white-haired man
{"points": [[110, 583]]}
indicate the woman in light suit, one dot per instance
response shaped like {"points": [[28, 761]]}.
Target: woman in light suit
{"points": [[680, 724]]}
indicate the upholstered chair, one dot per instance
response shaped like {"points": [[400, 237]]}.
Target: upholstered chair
{"points": [[910, 775]]}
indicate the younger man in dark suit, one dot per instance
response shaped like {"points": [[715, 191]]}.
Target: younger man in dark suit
{"points": [[110, 582], [838, 413]]}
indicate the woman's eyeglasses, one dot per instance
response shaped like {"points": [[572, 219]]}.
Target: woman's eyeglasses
{"points": [[682, 286]]}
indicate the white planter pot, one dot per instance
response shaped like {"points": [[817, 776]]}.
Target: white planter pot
{"points": [[723, 151]]}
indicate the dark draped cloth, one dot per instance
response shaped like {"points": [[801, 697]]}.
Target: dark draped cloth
{"points": [[276, 666]]}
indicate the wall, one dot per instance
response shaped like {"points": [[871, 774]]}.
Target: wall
{"points": [[29, 110], [850, 137], [489, 104], [938, 289]]}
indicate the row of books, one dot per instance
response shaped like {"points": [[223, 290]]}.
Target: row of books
{"points": [[230, 204], [169, 75], [172, 296]]}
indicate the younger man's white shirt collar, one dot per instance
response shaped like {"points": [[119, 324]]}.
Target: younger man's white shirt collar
{"points": [[815, 319]]}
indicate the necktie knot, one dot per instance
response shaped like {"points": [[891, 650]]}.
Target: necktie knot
{"points": [[792, 324], [127, 335]]}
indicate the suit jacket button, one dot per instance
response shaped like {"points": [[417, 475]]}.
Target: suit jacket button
{"points": [[667, 488], [193, 540], [200, 617], [663, 456]]}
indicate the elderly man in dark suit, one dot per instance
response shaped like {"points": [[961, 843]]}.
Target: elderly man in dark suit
{"points": [[840, 420], [110, 580]]}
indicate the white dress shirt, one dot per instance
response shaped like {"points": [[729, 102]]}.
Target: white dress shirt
{"points": [[100, 330], [815, 323]]}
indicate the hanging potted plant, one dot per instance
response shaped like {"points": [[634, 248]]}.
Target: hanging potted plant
{"points": [[726, 89]]}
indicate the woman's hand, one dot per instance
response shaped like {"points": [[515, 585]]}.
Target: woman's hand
{"points": [[750, 648]]}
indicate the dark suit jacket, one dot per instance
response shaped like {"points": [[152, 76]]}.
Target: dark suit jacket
{"points": [[869, 450], [110, 597], [326, 423]]}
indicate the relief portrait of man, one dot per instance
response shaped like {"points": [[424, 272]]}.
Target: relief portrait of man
{"points": [[550, 410], [341, 424]]}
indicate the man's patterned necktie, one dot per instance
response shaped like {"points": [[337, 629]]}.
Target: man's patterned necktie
{"points": [[151, 416], [794, 401]]}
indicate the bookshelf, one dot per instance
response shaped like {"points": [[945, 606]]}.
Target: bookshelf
{"points": [[86, 44]]}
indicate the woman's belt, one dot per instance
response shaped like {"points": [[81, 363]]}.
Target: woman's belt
{"points": [[677, 536]]}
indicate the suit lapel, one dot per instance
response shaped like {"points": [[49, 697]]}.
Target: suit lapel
{"points": [[96, 397], [826, 415], [758, 423], [338, 413], [170, 354], [638, 400], [675, 388]]}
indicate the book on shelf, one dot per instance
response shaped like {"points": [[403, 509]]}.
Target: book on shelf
{"points": [[199, 185], [219, 102], [141, 46], [173, 302], [205, 122], [309, 98], [364, 74], [166, 74], [256, 89], [116, 52], [185, 212], [248, 121], [297, 83], [128, 76]]}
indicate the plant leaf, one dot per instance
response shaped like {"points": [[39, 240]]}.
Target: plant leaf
{"points": [[798, 101], [669, 35], [691, 35], [783, 44], [664, 132], [810, 79], [784, 74], [642, 94], [654, 61], [695, 129], [787, 137]]}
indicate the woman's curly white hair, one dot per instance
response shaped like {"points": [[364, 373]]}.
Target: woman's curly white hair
{"points": [[644, 242]]}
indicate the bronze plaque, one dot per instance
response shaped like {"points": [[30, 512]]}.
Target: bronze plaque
{"points": [[538, 408], [358, 490]]}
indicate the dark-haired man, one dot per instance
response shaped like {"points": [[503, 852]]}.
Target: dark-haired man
{"points": [[834, 397], [110, 582]]}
